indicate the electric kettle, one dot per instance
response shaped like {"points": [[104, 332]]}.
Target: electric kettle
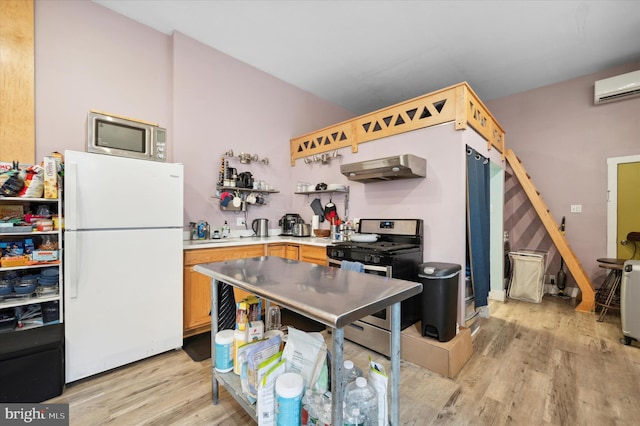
{"points": [[260, 227]]}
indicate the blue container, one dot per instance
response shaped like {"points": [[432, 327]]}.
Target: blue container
{"points": [[289, 388]]}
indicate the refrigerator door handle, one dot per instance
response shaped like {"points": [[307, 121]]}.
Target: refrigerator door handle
{"points": [[71, 268], [71, 195]]}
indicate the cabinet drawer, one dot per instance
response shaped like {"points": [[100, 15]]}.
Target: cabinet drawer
{"points": [[194, 257], [286, 251], [313, 254]]}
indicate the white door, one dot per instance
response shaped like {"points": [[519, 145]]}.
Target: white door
{"points": [[622, 214], [123, 298], [106, 192]]}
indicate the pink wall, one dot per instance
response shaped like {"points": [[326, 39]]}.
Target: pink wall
{"points": [[221, 103], [564, 141], [88, 57]]}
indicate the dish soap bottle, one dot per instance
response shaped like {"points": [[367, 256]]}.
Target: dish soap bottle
{"points": [[225, 230]]}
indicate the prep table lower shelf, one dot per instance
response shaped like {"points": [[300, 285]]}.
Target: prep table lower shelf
{"points": [[331, 296], [231, 383]]}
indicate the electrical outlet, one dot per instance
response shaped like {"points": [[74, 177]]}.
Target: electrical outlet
{"points": [[576, 208], [552, 279], [240, 221]]}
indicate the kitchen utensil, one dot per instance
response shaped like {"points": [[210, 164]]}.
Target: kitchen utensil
{"points": [[365, 238], [24, 288], [336, 187], [237, 200], [260, 227], [6, 287], [316, 205], [321, 233], [245, 180], [273, 318], [287, 221], [302, 230], [330, 211], [321, 186]]}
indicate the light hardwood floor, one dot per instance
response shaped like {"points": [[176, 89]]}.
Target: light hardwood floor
{"points": [[533, 364]]}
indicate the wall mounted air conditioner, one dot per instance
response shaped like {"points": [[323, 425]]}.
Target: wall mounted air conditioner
{"points": [[616, 88]]}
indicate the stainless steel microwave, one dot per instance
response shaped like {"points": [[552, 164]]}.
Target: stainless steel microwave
{"points": [[111, 134]]}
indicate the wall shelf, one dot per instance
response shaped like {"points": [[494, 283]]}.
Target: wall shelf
{"points": [[235, 188], [331, 191]]}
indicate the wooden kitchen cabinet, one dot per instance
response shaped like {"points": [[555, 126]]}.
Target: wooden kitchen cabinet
{"points": [[286, 251], [197, 287], [313, 254], [17, 80]]}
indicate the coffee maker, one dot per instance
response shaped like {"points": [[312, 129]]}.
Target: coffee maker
{"points": [[287, 221]]}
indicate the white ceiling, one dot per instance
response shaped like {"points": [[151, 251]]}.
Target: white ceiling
{"points": [[366, 55]]}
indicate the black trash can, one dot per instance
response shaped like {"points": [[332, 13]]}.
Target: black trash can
{"points": [[439, 299]]}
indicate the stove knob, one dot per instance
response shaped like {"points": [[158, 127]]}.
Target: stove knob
{"points": [[376, 259]]}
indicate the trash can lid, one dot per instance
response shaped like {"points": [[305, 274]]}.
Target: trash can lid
{"points": [[438, 270]]}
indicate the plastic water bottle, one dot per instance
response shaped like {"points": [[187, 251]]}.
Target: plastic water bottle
{"points": [[307, 402], [350, 372], [363, 396], [353, 418]]}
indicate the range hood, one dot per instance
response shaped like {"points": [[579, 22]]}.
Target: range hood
{"points": [[406, 166]]}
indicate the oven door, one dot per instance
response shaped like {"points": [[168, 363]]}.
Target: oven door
{"points": [[381, 318]]}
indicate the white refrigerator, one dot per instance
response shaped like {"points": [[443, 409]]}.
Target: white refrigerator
{"points": [[122, 261]]}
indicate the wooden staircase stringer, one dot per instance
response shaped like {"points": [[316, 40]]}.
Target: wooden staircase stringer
{"points": [[559, 240]]}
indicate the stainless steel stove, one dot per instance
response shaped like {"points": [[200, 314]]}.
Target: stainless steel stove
{"points": [[397, 253]]}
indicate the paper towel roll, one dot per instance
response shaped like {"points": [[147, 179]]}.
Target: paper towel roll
{"points": [[315, 222]]}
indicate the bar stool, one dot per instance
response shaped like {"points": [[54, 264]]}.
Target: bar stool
{"points": [[608, 295]]}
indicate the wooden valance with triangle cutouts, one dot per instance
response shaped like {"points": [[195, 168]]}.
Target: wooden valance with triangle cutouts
{"points": [[455, 103]]}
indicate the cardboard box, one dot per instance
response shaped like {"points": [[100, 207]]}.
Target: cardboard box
{"points": [[11, 210], [50, 177], [8, 262], [444, 358], [45, 255]]}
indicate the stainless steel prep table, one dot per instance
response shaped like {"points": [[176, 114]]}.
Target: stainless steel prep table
{"points": [[331, 296]]}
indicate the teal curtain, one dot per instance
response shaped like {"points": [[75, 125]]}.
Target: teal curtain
{"points": [[478, 225]]}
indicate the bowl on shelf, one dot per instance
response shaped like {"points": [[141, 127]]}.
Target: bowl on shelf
{"points": [[321, 233], [24, 288], [6, 287]]}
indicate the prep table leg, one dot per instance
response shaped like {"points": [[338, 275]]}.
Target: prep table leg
{"points": [[395, 364], [214, 330], [337, 387]]}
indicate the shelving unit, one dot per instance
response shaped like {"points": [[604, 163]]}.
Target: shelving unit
{"points": [[331, 191], [349, 297], [32, 344], [243, 206], [257, 191]]}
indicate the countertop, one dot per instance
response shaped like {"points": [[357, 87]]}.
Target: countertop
{"points": [[245, 241], [346, 295]]}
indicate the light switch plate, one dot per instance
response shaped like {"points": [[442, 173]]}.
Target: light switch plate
{"points": [[576, 208]]}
